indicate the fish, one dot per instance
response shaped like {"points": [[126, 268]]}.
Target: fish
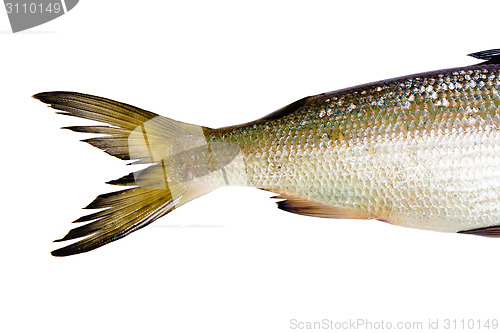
{"points": [[419, 151]]}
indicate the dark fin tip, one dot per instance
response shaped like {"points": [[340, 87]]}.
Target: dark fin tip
{"points": [[62, 252], [38, 96], [101, 202], [56, 253], [128, 180], [491, 56], [46, 97], [75, 128], [493, 231]]}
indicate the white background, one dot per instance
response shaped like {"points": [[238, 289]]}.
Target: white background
{"points": [[229, 261]]}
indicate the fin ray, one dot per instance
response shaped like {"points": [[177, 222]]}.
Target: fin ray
{"points": [[491, 56], [134, 134], [303, 206], [493, 231], [129, 212]]}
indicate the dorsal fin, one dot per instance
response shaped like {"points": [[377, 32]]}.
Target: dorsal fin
{"points": [[286, 110], [298, 205], [491, 56]]}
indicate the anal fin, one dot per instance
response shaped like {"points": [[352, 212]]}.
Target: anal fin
{"points": [[303, 206], [493, 231]]}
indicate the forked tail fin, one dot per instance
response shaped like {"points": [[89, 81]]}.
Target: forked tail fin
{"points": [[183, 166]]}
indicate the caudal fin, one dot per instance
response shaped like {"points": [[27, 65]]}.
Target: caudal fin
{"points": [[181, 166]]}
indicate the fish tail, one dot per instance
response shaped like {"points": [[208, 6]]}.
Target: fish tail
{"points": [[181, 166]]}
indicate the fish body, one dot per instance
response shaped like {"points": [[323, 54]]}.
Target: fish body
{"points": [[420, 151]]}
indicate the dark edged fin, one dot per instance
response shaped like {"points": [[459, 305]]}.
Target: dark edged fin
{"points": [[123, 117], [135, 134], [493, 231], [125, 212], [297, 205], [491, 56], [286, 110]]}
